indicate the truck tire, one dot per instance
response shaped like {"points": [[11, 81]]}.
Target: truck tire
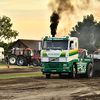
{"points": [[73, 73], [12, 59], [35, 62], [89, 73], [21, 61], [60, 75], [48, 76]]}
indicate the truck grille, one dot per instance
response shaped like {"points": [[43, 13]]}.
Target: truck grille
{"points": [[53, 65]]}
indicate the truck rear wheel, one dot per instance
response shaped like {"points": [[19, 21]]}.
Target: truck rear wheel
{"points": [[21, 61], [89, 73], [35, 62], [12, 59]]}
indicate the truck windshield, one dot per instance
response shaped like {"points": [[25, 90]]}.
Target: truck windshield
{"points": [[55, 45]]}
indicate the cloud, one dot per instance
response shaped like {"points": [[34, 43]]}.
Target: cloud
{"points": [[29, 17]]}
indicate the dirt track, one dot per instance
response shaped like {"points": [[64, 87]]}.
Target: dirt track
{"points": [[40, 88]]}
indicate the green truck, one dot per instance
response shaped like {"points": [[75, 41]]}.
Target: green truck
{"points": [[60, 55]]}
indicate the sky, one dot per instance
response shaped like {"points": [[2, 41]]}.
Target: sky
{"points": [[31, 18]]}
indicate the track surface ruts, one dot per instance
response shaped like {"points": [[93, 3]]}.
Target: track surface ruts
{"points": [[40, 88]]}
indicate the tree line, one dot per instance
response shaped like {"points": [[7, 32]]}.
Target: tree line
{"points": [[88, 33], [6, 33]]}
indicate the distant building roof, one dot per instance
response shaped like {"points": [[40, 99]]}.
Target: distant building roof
{"points": [[24, 43]]}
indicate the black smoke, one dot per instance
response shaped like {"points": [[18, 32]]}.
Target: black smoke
{"points": [[62, 5], [54, 19], [67, 7]]}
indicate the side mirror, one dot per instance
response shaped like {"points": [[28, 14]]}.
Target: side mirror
{"points": [[72, 46]]}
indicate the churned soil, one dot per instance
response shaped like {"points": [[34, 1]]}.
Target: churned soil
{"points": [[40, 88]]}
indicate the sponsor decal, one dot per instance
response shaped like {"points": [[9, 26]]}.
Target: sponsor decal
{"points": [[82, 67], [53, 53], [55, 39]]}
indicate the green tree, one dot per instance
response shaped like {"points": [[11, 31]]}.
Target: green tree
{"points": [[5, 29], [88, 33], [6, 47]]}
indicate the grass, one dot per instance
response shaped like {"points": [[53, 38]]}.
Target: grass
{"points": [[22, 75], [2, 64], [31, 66]]}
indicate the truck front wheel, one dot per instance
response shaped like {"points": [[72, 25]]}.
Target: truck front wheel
{"points": [[89, 73], [73, 73], [48, 76], [60, 75]]}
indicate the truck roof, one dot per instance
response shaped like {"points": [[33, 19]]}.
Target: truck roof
{"points": [[59, 38]]}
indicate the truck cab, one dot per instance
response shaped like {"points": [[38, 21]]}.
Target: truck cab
{"points": [[58, 55]]}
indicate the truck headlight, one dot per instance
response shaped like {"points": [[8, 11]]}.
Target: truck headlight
{"points": [[43, 65], [65, 65]]}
